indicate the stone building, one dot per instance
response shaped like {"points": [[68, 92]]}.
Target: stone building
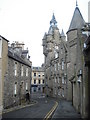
{"points": [[3, 67], [37, 82], [65, 63], [16, 73], [76, 70], [55, 50], [87, 64]]}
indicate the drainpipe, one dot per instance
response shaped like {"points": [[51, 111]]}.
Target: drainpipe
{"points": [[72, 92]]}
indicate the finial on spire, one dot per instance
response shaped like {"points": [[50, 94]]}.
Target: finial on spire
{"points": [[62, 33], [53, 20], [76, 4]]}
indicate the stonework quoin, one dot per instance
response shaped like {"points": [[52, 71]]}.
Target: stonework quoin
{"points": [[3, 67]]}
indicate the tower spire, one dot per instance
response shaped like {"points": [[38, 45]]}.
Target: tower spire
{"points": [[53, 20]]}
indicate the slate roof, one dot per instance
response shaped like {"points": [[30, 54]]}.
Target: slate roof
{"points": [[77, 20], [18, 58]]}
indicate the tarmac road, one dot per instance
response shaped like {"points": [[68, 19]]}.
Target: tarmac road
{"points": [[38, 110]]}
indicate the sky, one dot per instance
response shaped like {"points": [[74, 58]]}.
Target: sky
{"points": [[28, 20]]}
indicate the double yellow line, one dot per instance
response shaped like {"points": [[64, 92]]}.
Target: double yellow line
{"points": [[51, 111]]}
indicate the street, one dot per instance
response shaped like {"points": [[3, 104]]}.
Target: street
{"points": [[44, 109], [38, 110]]}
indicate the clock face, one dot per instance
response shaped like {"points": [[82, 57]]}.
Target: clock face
{"points": [[56, 47]]}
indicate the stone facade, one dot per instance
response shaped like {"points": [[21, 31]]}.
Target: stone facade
{"points": [[55, 51], [3, 67], [16, 74], [65, 63], [38, 82], [87, 64], [77, 70]]}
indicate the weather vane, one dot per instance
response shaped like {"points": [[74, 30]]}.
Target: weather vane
{"points": [[76, 3]]}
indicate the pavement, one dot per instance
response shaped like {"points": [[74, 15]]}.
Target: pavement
{"points": [[65, 110], [33, 102]]}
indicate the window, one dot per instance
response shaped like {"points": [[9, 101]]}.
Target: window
{"points": [[22, 70], [56, 54], [43, 81], [39, 75], [39, 88], [43, 75], [15, 88], [39, 81], [15, 69], [62, 93], [26, 71], [58, 66], [34, 81], [26, 86], [34, 89], [85, 45], [62, 80], [34, 74], [55, 67], [62, 65], [55, 80], [58, 79]]}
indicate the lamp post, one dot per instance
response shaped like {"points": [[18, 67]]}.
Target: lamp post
{"points": [[65, 77]]}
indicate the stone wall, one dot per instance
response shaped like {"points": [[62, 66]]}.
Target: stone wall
{"points": [[10, 98]]}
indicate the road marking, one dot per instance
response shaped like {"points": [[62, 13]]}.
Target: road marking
{"points": [[51, 111]]}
